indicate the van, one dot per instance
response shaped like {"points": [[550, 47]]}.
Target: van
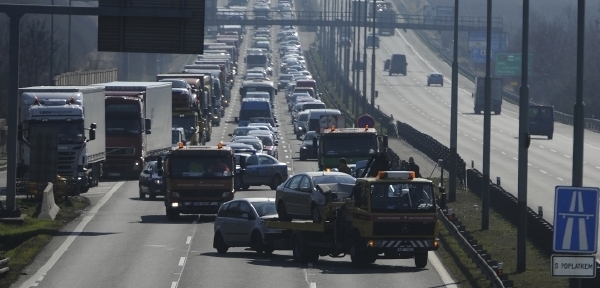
{"points": [[314, 118], [398, 64], [252, 108], [372, 40], [541, 120]]}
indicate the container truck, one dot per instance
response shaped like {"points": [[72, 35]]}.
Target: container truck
{"points": [[138, 116], [478, 96], [80, 159], [190, 118]]}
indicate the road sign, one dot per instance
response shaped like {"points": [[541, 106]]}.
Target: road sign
{"points": [[478, 55], [444, 11], [364, 120], [478, 39], [574, 266], [326, 121], [576, 219], [510, 64]]}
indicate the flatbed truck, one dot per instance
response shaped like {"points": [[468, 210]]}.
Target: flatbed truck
{"points": [[390, 216]]}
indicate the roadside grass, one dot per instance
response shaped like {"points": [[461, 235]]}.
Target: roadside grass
{"points": [[21, 243], [500, 240]]}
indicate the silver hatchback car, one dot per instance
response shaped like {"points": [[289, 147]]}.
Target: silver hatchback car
{"points": [[241, 223]]}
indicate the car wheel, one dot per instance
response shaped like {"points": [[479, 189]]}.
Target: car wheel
{"points": [[219, 244], [172, 215], [275, 182], [141, 194], [256, 242], [152, 196], [282, 212], [302, 157], [315, 214]]}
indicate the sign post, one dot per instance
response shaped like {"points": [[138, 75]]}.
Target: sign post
{"points": [[365, 120], [575, 231]]}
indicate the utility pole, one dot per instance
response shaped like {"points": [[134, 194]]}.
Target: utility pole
{"points": [[52, 48], [373, 62], [354, 77], [357, 63], [364, 85]]}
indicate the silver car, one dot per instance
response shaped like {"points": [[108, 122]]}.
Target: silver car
{"points": [[240, 223], [298, 197]]}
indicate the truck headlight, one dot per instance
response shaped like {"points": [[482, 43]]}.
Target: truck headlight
{"points": [[157, 181], [174, 204]]}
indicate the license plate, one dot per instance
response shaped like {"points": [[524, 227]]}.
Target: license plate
{"points": [[114, 174], [406, 249], [197, 203]]}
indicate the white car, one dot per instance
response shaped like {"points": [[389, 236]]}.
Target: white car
{"points": [[240, 223]]}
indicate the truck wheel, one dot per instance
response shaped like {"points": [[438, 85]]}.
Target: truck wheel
{"points": [[315, 215], [421, 259], [256, 242], [356, 255], [550, 136], [172, 215], [219, 244], [275, 182], [141, 194], [298, 249]]}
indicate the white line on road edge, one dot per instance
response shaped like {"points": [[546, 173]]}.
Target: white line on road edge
{"points": [[446, 278], [181, 261], [310, 284], [189, 239], [65, 245], [174, 285]]}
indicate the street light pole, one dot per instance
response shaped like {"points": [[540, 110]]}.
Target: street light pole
{"points": [[357, 63], [524, 140], [373, 63], [355, 24], [364, 85], [454, 112], [52, 47], [487, 124]]}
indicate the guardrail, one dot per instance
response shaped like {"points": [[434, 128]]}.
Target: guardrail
{"points": [[84, 78], [4, 267]]}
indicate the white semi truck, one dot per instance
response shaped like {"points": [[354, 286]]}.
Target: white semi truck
{"points": [[73, 110]]}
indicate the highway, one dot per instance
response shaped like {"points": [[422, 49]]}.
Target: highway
{"points": [[122, 241], [427, 109]]}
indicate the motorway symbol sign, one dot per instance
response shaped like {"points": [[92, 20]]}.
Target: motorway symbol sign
{"points": [[574, 266], [478, 55], [576, 219], [364, 120]]}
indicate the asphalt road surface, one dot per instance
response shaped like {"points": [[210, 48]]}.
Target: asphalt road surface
{"points": [[123, 241]]}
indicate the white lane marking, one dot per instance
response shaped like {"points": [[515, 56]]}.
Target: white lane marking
{"points": [[553, 150], [502, 153], [65, 245], [543, 171], [181, 261], [187, 254], [597, 167], [189, 239], [435, 262], [541, 146], [174, 285], [515, 158], [560, 179], [566, 155]]}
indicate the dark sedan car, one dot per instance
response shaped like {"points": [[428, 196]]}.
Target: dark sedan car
{"points": [[306, 148], [261, 169], [435, 78], [150, 183]]}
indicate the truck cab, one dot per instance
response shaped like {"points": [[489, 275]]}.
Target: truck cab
{"points": [[197, 179]]}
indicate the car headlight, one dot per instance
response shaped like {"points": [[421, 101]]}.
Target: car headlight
{"points": [[157, 181], [300, 128], [304, 147]]}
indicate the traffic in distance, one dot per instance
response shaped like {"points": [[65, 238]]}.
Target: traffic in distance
{"points": [[233, 114]]}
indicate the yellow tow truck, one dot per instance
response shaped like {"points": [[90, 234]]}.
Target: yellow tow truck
{"points": [[390, 216]]}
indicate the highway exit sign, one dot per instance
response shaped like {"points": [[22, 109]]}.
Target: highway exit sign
{"points": [[509, 64]]}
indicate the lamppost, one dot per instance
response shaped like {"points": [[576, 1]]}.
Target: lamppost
{"points": [[357, 64], [365, 61], [373, 62], [454, 111], [354, 24], [69, 34], [52, 48]]}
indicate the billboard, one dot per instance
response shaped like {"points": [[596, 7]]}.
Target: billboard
{"points": [[478, 41]]}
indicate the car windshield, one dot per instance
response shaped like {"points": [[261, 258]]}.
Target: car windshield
{"points": [[265, 208], [303, 117], [242, 132], [174, 137], [349, 145], [309, 136], [286, 77], [394, 197], [266, 140], [255, 144], [342, 179], [200, 167], [123, 126], [176, 83]]}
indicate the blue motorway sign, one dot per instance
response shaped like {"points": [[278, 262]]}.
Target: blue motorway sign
{"points": [[576, 219], [478, 55], [364, 120]]}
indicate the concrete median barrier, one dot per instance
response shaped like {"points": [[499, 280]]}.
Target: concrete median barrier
{"points": [[49, 207]]}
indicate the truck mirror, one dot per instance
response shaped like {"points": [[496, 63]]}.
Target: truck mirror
{"points": [[184, 142], [472, 95], [230, 135], [236, 119], [21, 135], [384, 141], [93, 126], [92, 135], [148, 124]]}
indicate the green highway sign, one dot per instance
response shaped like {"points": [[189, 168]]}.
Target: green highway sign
{"points": [[509, 64]]}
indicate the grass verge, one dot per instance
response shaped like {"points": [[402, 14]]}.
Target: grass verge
{"points": [[21, 243], [501, 243]]}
